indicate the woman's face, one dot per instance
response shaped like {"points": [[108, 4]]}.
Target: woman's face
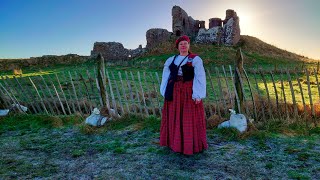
{"points": [[183, 46]]}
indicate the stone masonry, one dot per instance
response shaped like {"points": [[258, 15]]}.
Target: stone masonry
{"points": [[157, 36], [225, 32], [112, 51]]}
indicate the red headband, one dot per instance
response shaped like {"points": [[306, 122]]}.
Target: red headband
{"points": [[182, 38]]}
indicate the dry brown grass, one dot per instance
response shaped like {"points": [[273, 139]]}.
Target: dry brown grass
{"points": [[17, 71]]}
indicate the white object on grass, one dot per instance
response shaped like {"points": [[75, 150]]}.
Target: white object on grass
{"points": [[4, 112], [95, 119], [23, 108], [237, 121]]}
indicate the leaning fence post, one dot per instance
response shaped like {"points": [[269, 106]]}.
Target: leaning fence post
{"points": [[101, 78], [237, 76]]}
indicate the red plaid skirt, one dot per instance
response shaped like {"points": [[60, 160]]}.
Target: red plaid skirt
{"points": [[183, 125]]}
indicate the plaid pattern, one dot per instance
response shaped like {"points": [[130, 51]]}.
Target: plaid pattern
{"points": [[183, 125]]}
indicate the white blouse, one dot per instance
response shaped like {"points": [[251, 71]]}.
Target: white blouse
{"points": [[199, 80]]}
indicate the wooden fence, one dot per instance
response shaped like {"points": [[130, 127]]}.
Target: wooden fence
{"points": [[274, 94]]}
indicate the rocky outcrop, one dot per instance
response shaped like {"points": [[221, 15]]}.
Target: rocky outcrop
{"points": [[156, 36], [112, 51]]}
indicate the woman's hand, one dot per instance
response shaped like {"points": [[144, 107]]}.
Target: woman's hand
{"points": [[197, 101]]}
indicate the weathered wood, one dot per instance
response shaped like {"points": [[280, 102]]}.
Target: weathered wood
{"points": [[44, 95], [16, 94], [259, 96], [13, 90], [237, 106], [217, 108], [82, 97], [101, 78], [276, 93], [74, 92], [302, 97], [10, 97], [34, 100], [57, 94], [50, 93], [284, 94], [243, 92], [69, 92], [118, 93], [142, 92], [86, 91], [137, 93], [253, 103], [131, 93], [99, 90], [267, 92], [41, 100], [3, 98], [158, 79], [63, 94], [158, 87], [292, 94], [237, 77], [228, 88], [155, 89], [92, 94], [114, 103], [317, 80], [9, 90], [124, 93], [149, 94], [309, 93], [106, 93], [222, 99], [207, 103], [25, 94]]}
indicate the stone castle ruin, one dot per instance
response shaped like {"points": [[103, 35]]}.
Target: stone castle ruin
{"points": [[220, 32], [115, 51]]}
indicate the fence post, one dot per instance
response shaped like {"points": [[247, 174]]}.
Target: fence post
{"points": [[101, 78], [237, 76]]}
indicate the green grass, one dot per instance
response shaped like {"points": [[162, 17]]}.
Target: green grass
{"points": [[46, 150], [36, 122]]}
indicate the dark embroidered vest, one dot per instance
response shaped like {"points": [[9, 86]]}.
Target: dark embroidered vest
{"points": [[187, 69], [188, 74]]}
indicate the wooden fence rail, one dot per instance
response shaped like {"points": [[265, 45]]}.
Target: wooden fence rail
{"points": [[266, 94]]}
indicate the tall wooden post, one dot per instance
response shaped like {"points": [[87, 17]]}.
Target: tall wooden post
{"points": [[101, 78], [237, 76]]}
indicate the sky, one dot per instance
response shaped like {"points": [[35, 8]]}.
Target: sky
{"points": [[31, 28]]}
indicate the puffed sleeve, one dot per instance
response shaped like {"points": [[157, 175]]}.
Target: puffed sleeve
{"points": [[199, 80], [165, 75]]}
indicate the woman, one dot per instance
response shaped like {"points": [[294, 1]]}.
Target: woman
{"points": [[183, 125]]}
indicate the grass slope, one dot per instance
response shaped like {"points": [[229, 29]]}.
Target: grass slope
{"points": [[255, 51]]}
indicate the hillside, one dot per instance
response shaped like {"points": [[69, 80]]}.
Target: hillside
{"points": [[255, 52]]}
